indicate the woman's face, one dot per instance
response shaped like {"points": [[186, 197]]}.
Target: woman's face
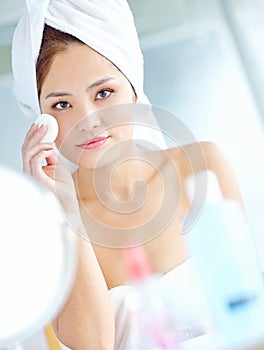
{"points": [[78, 87]]}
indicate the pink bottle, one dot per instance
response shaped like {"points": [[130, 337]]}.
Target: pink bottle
{"points": [[152, 318]]}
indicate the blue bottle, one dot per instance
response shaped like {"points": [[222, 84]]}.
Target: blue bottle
{"points": [[227, 265]]}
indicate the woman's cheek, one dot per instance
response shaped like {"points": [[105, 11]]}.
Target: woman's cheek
{"points": [[60, 140], [66, 139]]}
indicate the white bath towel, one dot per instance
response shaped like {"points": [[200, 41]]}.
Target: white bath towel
{"points": [[107, 26], [188, 306]]}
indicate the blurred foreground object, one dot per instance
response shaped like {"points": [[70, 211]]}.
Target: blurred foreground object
{"points": [[37, 258], [225, 255]]}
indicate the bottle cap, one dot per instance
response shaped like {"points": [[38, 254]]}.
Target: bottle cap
{"points": [[137, 263]]}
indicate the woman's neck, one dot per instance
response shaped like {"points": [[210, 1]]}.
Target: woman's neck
{"points": [[119, 179]]}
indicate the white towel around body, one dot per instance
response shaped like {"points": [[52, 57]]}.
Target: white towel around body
{"points": [[188, 307]]}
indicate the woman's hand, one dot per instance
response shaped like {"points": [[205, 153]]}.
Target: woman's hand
{"points": [[53, 174], [35, 153]]}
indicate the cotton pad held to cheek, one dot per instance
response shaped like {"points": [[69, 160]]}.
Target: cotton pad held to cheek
{"points": [[52, 127]]}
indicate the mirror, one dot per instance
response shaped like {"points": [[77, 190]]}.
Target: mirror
{"points": [[37, 258]]}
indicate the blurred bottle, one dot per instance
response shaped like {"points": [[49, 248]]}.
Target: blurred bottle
{"points": [[149, 305], [227, 265]]}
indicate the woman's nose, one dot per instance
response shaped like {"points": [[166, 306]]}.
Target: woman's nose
{"points": [[90, 122]]}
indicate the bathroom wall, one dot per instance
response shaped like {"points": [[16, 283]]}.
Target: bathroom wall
{"points": [[204, 63]]}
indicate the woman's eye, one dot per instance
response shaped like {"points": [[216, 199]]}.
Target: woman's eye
{"points": [[62, 105], [103, 94]]}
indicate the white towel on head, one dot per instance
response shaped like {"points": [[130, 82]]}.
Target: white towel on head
{"points": [[25, 50], [107, 26]]}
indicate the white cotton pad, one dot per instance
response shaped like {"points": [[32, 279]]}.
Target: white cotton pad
{"points": [[51, 124]]}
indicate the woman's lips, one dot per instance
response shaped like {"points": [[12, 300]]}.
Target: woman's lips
{"points": [[94, 143]]}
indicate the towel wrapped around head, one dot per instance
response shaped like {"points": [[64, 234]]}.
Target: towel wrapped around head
{"points": [[107, 26]]}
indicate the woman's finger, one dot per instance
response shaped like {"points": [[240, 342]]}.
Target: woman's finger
{"points": [[30, 132], [32, 145], [26, 165], [28, 153], [49, 169], [37, 167], [52, 159], [35, 135]]}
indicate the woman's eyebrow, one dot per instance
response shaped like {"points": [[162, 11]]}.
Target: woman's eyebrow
{"points": [[58, 94], [100, 82], [92, 86]]}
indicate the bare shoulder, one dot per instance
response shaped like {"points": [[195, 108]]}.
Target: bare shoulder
{"points": [[201, 156]]}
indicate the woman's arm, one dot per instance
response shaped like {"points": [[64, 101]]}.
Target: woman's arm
{"points": [[208, 156], [86, 320], [219, 163]]}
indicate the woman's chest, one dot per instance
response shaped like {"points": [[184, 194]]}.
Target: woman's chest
{"points": [[151, 217], [157, 229], [164, 251]]}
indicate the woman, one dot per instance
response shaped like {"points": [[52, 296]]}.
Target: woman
{"points": [[93, 99]]}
